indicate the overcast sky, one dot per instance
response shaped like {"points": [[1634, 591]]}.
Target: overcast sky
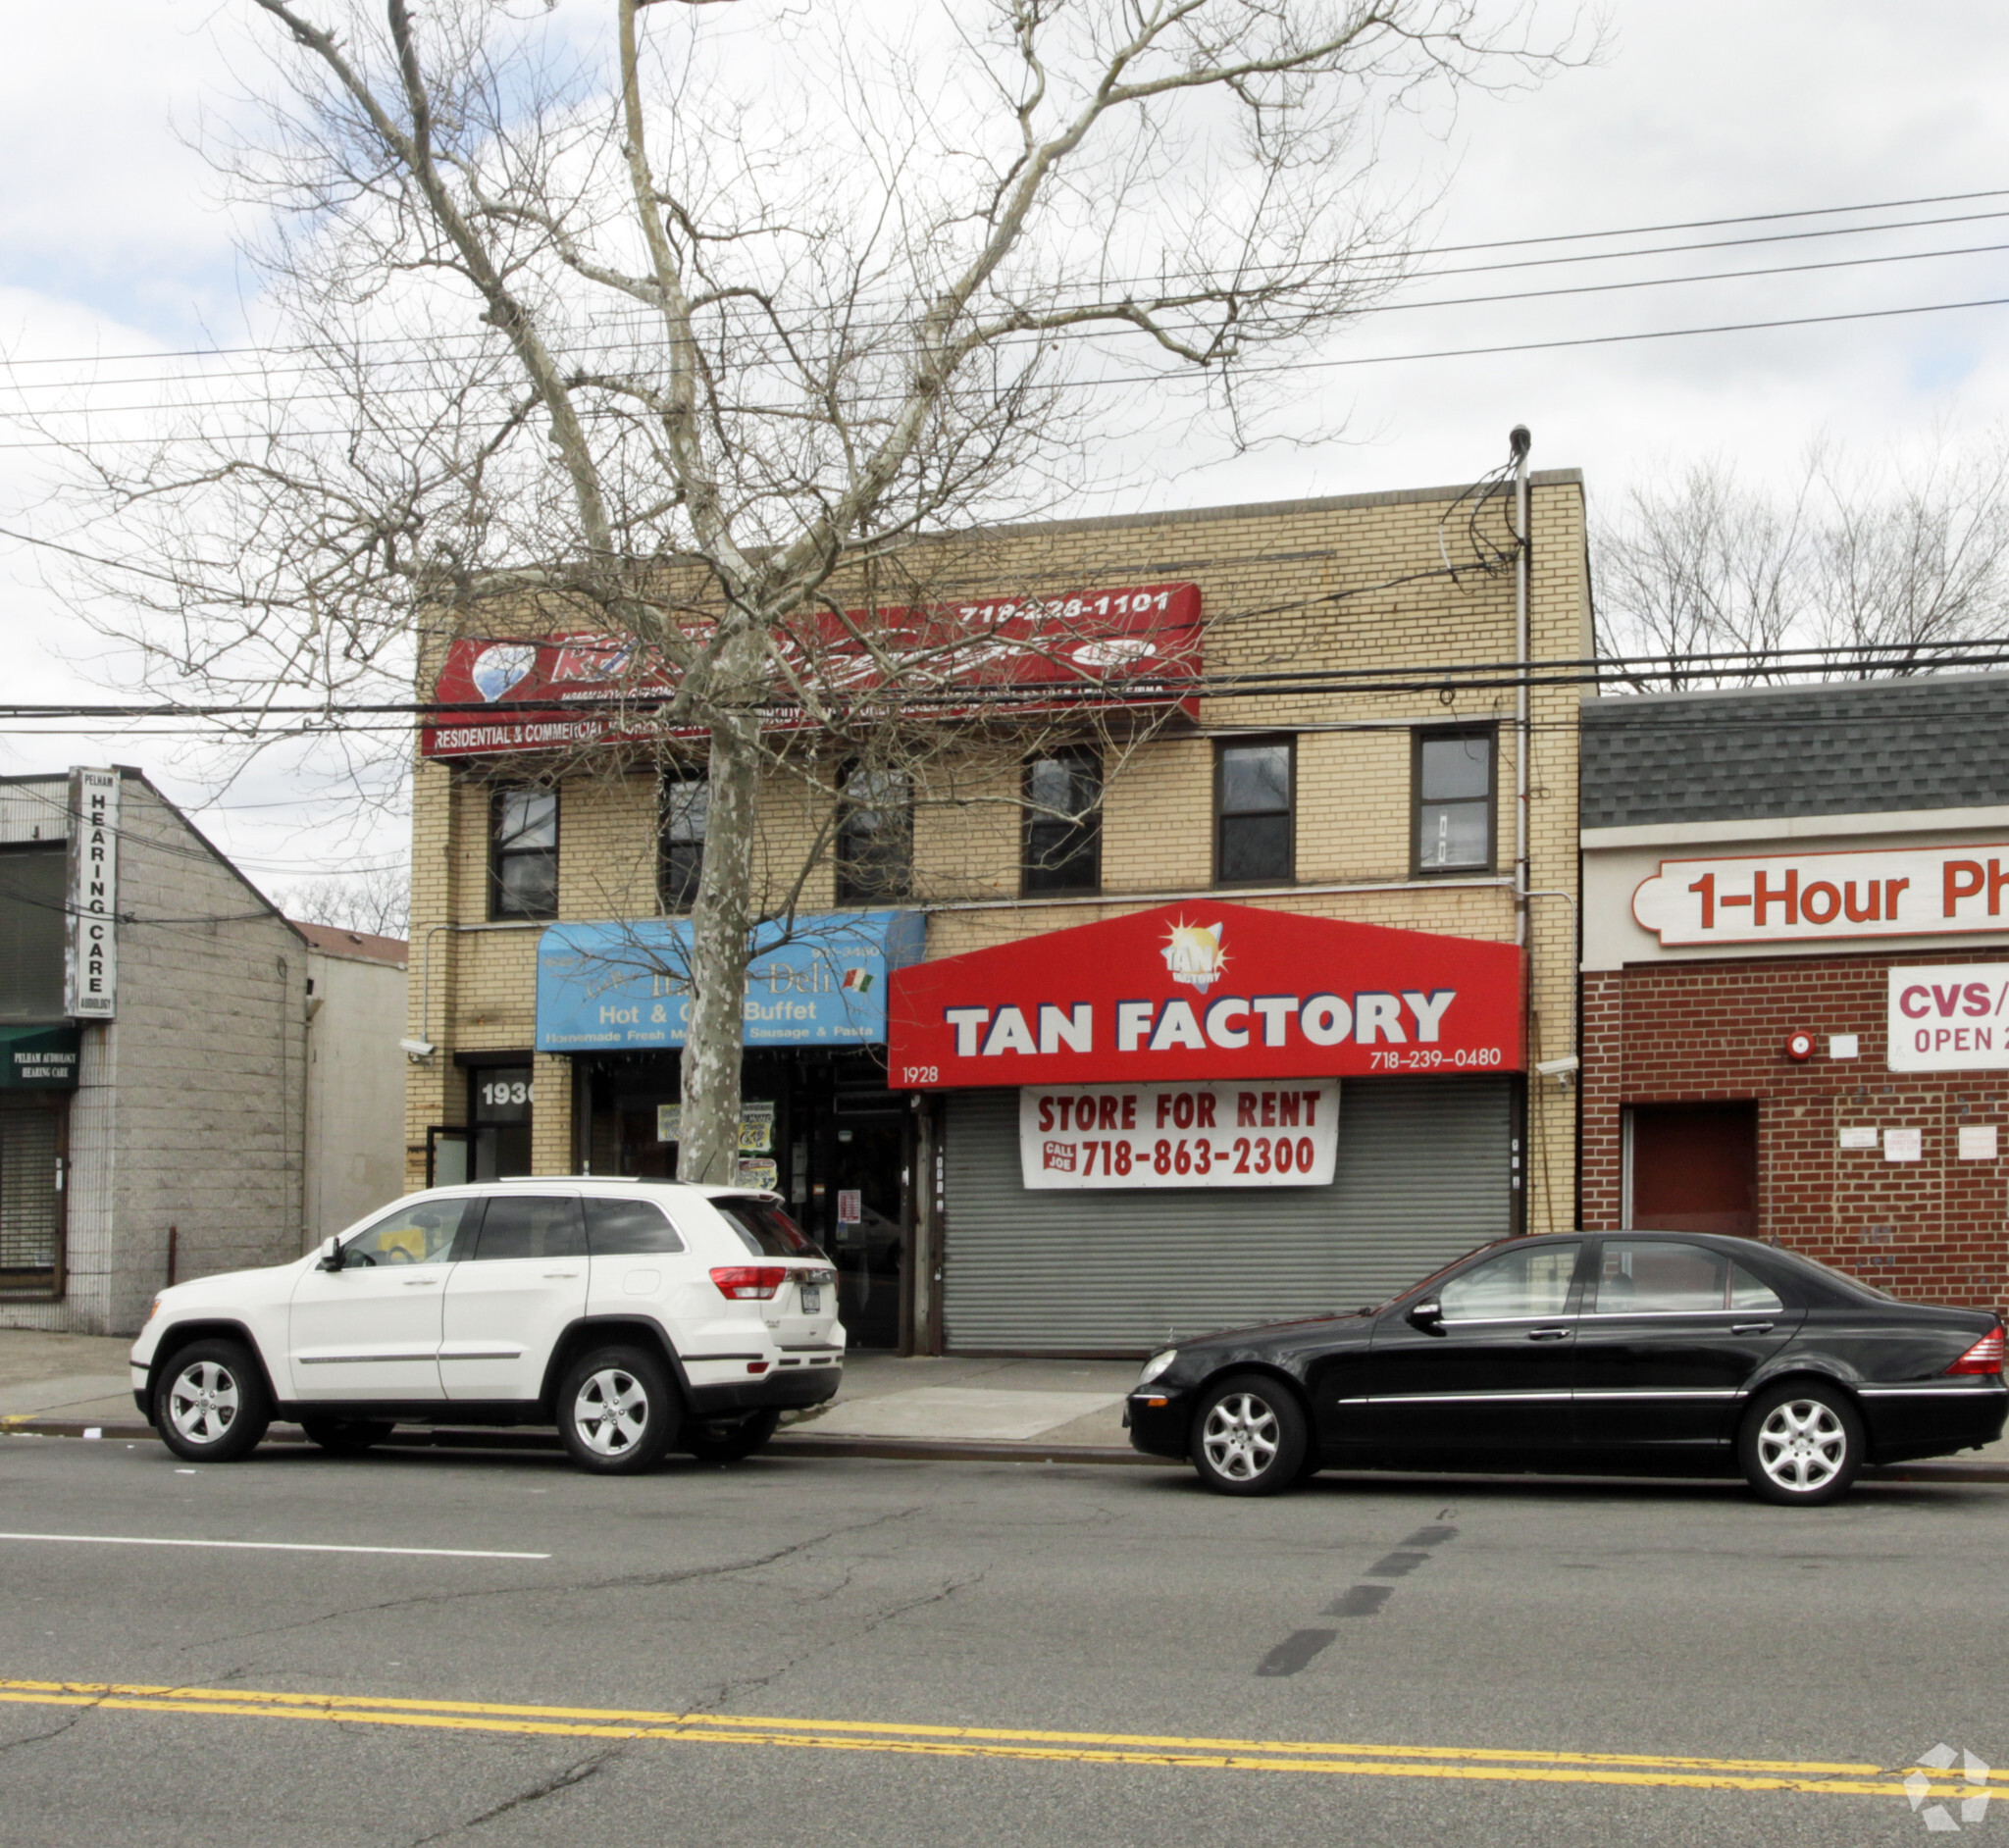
{"points": [[1702, 110]]}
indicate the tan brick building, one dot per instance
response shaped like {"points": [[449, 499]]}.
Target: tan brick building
{"points": [[1282, 789]]}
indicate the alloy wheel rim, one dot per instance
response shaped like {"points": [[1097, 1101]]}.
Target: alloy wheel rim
{"points": [[204, 1401], [611, 1411], [1802, 1444], [1241, 1437]]}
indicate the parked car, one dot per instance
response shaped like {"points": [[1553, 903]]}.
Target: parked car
{"points": [[1645, 1352], [635, 1315]]}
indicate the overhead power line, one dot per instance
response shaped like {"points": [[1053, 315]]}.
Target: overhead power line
{"points": [[1104, 285]]}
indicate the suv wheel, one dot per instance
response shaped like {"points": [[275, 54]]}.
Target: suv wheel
{"points": [[1801, 1444], [209, 1403], [728, 1440], [347, 1437], [1249, 1437], [617, 1410]]}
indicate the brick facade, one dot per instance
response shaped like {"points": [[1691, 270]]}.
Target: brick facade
{"points": [[1704, 1032], [1355, 579]]}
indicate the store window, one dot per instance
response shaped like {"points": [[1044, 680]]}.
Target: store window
{"points": [[32, 882], [523, 853], [1063, 824], [1452, 800], [499, 1106], [875, 838], [1253, 789], [680, 856]]}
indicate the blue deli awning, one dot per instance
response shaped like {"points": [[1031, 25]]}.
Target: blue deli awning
{"points": [[623, 984]]}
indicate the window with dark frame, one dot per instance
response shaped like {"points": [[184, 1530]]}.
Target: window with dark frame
{"points": [[523, 853], [1453, 802], [1063, 824], [680, 850], [875, 838], [1253, 831]]}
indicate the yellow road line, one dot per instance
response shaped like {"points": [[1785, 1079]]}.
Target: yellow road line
{"points": [[1461, 1764]]}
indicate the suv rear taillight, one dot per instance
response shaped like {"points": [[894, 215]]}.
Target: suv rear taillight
{"points": [[751, 1283], [1985, 1356]]}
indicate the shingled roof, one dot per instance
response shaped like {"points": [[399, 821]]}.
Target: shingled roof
{"points": [[1839, 749]]}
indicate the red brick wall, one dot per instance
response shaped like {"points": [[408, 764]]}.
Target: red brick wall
{"points": [[1699, 1032]]}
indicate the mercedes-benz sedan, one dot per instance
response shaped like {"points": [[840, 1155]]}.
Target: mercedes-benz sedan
{"points": [[1662, 1352]]}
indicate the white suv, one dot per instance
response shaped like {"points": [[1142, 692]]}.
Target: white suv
{"points": [[634, 1314]]}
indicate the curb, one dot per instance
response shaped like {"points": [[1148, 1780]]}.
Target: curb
{"points": [[807, 1445]]}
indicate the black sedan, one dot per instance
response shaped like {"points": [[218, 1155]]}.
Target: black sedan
{"points": [[1665, 1351]]}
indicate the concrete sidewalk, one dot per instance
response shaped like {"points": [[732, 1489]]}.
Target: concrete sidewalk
{"points": [[956, 1407]]}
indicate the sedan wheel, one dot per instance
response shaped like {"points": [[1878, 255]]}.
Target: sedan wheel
{"points": [[210, 1405], [616, 1411], [1801, 1444], [1249, 1437]]}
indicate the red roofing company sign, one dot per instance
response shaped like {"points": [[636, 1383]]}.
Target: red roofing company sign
{"points": [[1139, 645], [1199, 991]]}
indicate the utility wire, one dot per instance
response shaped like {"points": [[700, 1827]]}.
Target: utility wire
{"points": [[1106, 284]]}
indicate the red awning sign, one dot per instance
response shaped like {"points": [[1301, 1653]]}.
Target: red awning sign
{"points": [[1138, 646], [1205, 991]]}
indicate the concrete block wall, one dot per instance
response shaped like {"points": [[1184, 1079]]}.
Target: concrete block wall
{"points": [[191, 1107], [1935, 1229]]}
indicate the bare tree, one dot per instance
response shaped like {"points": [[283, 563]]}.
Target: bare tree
{"points": [[378, 902], [1871, 561], [688, 333]]}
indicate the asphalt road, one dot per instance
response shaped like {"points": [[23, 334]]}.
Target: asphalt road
{"points": [[966, 1653]]}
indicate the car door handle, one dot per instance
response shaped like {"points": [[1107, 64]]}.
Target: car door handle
{"points": [[1750, 1328], [561, 1273], [420, 1283], [1546, 1334]]}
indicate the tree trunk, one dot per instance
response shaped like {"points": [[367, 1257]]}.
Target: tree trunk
{"points": [[709, 1147]]}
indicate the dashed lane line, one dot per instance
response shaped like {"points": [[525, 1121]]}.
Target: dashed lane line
{"points": [[1464, 1764], [269, 1546]]}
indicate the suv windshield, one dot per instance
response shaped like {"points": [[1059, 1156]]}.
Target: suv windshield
{"points": [[766, 1230]]}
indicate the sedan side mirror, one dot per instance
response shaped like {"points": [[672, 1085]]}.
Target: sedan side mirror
{"points": [[330, 1254], [1429, 1315]]}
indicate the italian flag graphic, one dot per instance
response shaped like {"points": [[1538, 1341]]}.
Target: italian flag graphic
{"points": [[859, 981]]}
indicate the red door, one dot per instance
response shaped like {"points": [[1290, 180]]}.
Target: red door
{"points": [[1694, 1168]]}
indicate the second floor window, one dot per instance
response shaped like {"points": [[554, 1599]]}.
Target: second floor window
{"points": [[1453, 783], [680, 858], [1254, 790], [1063, 831], [523, 853], [875, 838]]}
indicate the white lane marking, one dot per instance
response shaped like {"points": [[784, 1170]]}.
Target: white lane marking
{"points": [[271, 1546]]}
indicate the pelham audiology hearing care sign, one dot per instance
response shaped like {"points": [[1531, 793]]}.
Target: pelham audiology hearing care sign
{"points": [[1949, 1016]]}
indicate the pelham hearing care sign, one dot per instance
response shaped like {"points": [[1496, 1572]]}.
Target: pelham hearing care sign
{"points": [[90, 952], [1206, 1135]]}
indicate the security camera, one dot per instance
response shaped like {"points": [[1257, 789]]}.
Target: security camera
{"points": [[417, 1049], [1557, 1067]]}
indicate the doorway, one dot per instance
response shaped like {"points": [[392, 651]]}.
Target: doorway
{"points": [[1692, 1168]]}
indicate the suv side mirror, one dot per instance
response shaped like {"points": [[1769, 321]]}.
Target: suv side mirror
{"points": [[330, 1254], [1429, 1315]]}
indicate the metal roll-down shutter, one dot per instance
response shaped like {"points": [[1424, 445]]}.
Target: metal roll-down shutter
{"points": [[1424, 1176]]}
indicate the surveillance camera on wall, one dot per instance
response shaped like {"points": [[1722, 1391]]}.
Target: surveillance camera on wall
{"points": [[417, 1049], [1557, 1067]]}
